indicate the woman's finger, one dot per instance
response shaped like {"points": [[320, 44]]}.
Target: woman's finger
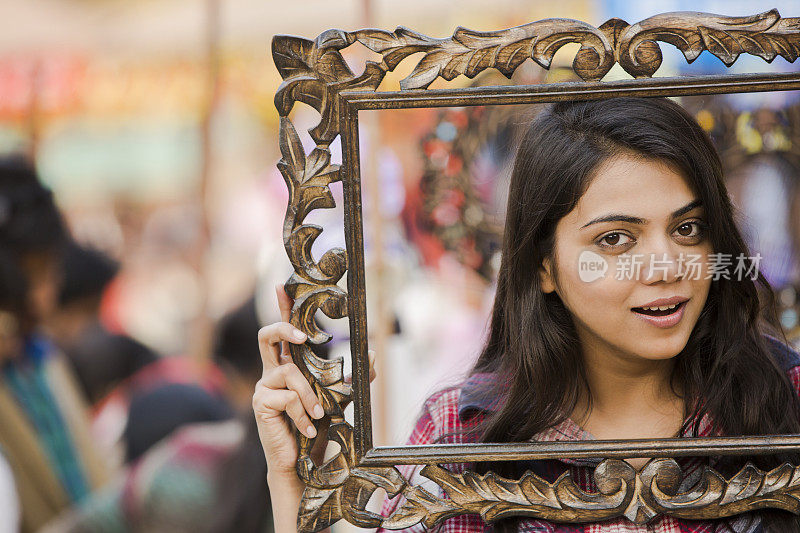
{"points": [[295, 410], [285, 304], [288, 376], [287, 401], [270, 338]]}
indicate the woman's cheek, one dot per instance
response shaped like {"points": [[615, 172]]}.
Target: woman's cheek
{"points": [[591, 290]]}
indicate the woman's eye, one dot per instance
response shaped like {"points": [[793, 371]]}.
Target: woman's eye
{"points": [[690, 230], [613, 240]]}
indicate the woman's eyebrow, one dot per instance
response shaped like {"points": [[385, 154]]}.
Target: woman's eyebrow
{"points": [[614, 217], [685, 209]]}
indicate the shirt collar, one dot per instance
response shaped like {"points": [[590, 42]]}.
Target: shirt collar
{"points": [[477, 395], [785, 355]]}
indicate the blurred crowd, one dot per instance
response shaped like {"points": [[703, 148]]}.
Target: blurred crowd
{"points": [[97, 431]]}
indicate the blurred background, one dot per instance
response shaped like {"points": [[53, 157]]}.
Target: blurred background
{"points": [[153, 123]]}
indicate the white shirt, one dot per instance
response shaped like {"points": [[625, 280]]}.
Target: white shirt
{"points": [[9, 504]]}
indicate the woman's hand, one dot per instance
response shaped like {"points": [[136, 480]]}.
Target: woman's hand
{"points": [[283, 390]]}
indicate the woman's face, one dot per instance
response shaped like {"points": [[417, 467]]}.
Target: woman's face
{"points": [[630, 261]]}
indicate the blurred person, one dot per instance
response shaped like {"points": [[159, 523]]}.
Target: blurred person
{"points": [[169, 489], [158, 399], [44, 430], [173, 440], [155, 414], [139, 397], [206, 477], [234, 350], [101, 359]]}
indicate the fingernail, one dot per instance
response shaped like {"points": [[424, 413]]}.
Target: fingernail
{"points": [[318, 411], [311, 432], [299, 335]]}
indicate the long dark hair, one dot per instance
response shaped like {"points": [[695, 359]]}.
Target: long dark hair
{"points": [[726, 368]]}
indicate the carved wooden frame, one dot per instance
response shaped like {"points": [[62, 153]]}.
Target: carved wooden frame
{"points": [[315, 73]]}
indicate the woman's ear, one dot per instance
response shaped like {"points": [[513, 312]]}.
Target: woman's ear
{"points": [[546, 276]]}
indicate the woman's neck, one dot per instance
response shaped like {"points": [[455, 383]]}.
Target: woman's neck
{"points": [[631, 397]]}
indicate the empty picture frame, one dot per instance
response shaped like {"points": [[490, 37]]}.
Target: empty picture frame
{"points": [[315, 73]]}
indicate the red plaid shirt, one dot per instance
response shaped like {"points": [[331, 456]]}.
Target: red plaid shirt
{"points": [[448, 416]]}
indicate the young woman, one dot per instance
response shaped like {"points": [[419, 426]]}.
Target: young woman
{"points": [[627, 307]]}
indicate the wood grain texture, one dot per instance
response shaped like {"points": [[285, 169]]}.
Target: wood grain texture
{"points": [[315, 73]]}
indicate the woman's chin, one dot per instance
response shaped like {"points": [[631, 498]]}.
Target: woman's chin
{"points": [[659, 349]]}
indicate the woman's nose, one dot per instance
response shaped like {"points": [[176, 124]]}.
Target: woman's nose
{"points": [[663, 267]]}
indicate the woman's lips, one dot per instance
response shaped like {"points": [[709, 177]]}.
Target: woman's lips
{"points": [[659, 320]]}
